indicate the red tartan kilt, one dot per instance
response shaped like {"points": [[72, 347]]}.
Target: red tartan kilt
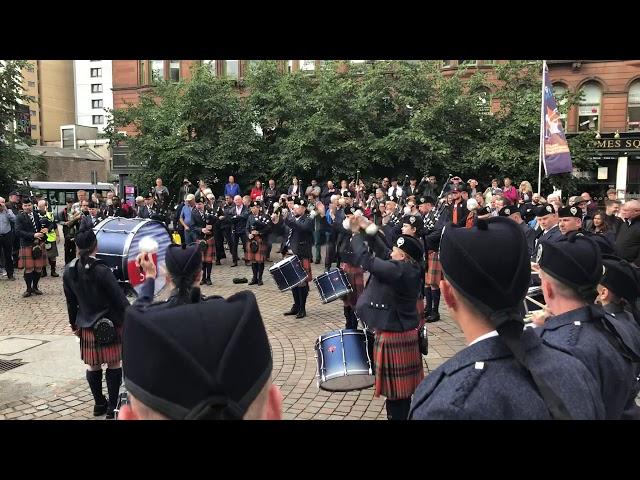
{"points": [[398, 364], [306, 264], [434, 270], [420, 307], [208, 254], [261, 255], [27, 261], [93, 353], [356, 279]]}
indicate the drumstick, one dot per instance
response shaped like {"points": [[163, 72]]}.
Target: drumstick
{"points": [[541, 305]]}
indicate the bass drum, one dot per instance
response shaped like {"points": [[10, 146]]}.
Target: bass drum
{"points": [[118, 246]]}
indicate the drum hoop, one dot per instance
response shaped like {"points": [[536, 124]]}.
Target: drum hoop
{"points": [[321, 371]]}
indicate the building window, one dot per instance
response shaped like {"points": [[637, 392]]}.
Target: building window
{"points": [[96, 103], [252, 64], [157, 70], [633, 112], [67, 138], [31, 84], [96, 72], [33, 113], [211, 64], [560, 93], [174, 70], [34, 127], [142, 80], [589, 107], [231, 69], [310, 65], [98, 119], [466, 62], [96, 88]]}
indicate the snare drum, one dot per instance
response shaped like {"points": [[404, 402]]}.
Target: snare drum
{"points": [[288, 273], [118, 246], [344, 360], [332, 285]]}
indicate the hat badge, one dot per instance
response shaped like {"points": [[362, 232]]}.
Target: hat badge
{"points": [[507, 211], [412, 220], [574, 210], [539, 254], [400, 242], [549, 208]]}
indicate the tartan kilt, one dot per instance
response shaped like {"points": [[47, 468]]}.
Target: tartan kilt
{"points": [[434, 270], [398, 364], [52, 253], [356, 279], [93, 353], [261, 255], [209, 253], [27, 262], [306, 264]]}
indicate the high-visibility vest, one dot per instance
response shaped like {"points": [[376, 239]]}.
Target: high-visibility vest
{"points": [[52, 236]]}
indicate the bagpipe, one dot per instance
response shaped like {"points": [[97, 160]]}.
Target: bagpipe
{"points": [[434, 215]]}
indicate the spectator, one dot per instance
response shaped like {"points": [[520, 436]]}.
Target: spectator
{"points": [[510, 192], [612, 194], [479, 197], [270, 194], [472, 188], [413, 188], [611, 215], [139, 205], [7, 226], [385, 184], [525, 192], [394, 190], [185, 217], [582, 205], [313, 188], [599, 227], [592, 207], [257, 193], [555, 200], [628, 237], [489, 192], [327, 193], [536, 199], [472, 216], [294, 188], [186, 189], [429, 187], [464, 195], [202, 191], [232, 188]]}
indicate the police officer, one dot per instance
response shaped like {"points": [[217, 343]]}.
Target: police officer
{"points": [[298, 242], [515, 214], [570, 270], [388, 306], [505, 372], [205, 361], [92, 295]]}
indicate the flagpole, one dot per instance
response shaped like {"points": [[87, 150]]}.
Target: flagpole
{"points": [[541, 146]]}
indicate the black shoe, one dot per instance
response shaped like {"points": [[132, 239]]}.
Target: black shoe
{"points": [[317, 262], [100, 408], [427, 314], [37, 291], [433, 318], [218, 262], [234, 264], [302, 313], [293, 311], [260, 282], [54, 274], [110, 414], [209, 281], [43, 274], [253, 282], [26, 294], [203, 281]]}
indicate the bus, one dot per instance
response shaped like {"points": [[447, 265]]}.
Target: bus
{"points": [[57, 193]]}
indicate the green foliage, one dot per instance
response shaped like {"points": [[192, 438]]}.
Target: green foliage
{"points": [[385, 118], [16, 163]]}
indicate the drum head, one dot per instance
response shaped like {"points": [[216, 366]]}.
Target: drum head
{"points": [[282, 262]]}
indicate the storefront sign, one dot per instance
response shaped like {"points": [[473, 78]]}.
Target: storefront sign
{"points": [[617, 144]]}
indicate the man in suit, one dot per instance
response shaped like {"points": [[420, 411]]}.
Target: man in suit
{"points": [[91, 220], [237, 215], [412, 189]]}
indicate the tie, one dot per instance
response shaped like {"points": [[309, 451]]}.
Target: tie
{"points": [[289, 236], [33, 221]]}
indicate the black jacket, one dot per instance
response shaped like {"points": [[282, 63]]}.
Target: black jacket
{"points": [[530, 235], [301, 235], [628, 241], [325, 196], [88, 223], [92, 294], [198, 222], [613, 223], [261, 224], [25, 230], [238, 222], [462, 213], [389, 300]]}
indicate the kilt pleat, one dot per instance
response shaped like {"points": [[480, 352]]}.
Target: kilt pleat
{"points": [[92, 353], [208, 254], [261, 255], [29, 263], [434, 270], [398, 364]]}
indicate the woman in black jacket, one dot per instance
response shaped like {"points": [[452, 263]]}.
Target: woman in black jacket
{"points": [[388, 306], [93, 294]]}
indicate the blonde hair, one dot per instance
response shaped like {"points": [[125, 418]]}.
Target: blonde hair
{"points": [[527, 185]]}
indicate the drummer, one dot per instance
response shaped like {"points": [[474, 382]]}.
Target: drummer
{"points": [[258, 227], [388, 306], [299, 242]]}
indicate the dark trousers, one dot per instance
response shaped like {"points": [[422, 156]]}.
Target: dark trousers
{"points": [[317, 243], [6, 251], [330, 254], [69, 250], [398, 409], [218, 235], [233, 246]]}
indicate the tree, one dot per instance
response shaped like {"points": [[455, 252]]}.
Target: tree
{"points": [[16, 162]]}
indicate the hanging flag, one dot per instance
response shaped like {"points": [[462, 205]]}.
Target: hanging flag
{"points": [[555, 150]]}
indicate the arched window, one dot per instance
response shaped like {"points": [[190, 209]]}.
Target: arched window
{"points": [[560, 93], [589, 108], [633, 110]]}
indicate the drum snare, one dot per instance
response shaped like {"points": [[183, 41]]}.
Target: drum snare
{"points": [[332, 285]]}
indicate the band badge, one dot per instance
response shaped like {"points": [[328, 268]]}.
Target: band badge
{"points": [[573, 210], [412, 220], [549, 208], [400, 242], [507, 211]]}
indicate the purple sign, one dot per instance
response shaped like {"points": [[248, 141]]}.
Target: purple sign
{"points": [[557, 158]]}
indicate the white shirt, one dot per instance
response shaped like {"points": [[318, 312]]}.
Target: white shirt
{"points": [[238, 210], [394, 191], [492, 333]]}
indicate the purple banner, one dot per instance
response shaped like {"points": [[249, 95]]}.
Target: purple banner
{"points": [[557, 158]]}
